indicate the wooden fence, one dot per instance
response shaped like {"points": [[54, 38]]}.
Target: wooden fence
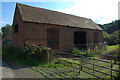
{"points": [[82, 61]]}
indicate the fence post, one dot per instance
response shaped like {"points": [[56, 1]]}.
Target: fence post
{"points": [[93, 65], [80, 65], [111, 69], [68, 61]]}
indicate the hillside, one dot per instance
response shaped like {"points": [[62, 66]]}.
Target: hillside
{"points": [[111, 27]]}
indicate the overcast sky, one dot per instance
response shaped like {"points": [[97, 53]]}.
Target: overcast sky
{"points": [[100, 11]]}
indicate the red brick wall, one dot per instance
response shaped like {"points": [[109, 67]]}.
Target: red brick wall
{"points": [[17, 37], [34, 31]]}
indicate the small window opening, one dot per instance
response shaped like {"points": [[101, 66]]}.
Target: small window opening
{"points": [[39, 45], [16, 28]]}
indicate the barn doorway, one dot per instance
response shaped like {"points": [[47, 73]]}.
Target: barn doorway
{"points": [[80, 40], [53, 38]]}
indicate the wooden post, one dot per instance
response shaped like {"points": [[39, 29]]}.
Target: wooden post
{"points": [[80, 65], [111, 69], [68, 62], [93, 65]]}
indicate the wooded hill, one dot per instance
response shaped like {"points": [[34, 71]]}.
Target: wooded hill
{"points": [[111, 32], [111, 27]]}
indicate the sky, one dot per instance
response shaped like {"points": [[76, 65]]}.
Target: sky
{"points": [[100, 11]]}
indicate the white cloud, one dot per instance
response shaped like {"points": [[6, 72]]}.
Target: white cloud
{"points": [[38, 0], [101, 11], [3, 22]]}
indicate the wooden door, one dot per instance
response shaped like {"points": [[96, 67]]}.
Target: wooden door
{"points": [[53, 38]]}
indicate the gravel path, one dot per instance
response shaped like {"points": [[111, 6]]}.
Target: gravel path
{"points": [[6, 71], [12, 70]]}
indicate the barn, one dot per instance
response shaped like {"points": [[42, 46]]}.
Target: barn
{"points": [[59, 31]]}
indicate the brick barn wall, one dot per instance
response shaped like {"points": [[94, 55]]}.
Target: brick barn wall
{"points": [[18, 37], [34, 31]]}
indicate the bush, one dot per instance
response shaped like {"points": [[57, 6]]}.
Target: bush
{"points": [[31, 54], [78, 52], [96, 50], [37, 52], [75, 51], [112, 39], [14, 51]]}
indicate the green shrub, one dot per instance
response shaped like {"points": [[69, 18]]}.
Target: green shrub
{"points": [[75, 51], [37, 52], [78, 52], [112, 39], [13, 53], [32, 54]]}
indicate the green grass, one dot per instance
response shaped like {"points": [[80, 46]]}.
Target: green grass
{"points": [[64, 66], [30, 62], [110, 48], [16, 59], [61, 64]]}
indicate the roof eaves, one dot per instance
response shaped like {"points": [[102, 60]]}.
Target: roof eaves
{"points": [[95, 25], [60, 25], [17, 4]]}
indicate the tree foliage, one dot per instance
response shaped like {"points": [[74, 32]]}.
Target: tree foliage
{"points": [[111, 27], [106, 36], [111, 32], [112, 39], [7, 29]]}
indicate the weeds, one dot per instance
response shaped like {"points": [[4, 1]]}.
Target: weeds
{"points": [[30, 55]]}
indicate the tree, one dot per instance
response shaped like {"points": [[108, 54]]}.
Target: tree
{"points": [[7, 29], [7, 35], [111, 27], [116, 36], [112, 39], [106, 36]]}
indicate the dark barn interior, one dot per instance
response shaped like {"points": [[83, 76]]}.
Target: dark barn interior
{"points": [[80, 39]]}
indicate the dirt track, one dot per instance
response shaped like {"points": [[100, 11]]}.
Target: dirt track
{"points": [[11, 70]]}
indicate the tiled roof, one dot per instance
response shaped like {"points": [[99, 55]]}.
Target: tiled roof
{"points": [[40, 15]]}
